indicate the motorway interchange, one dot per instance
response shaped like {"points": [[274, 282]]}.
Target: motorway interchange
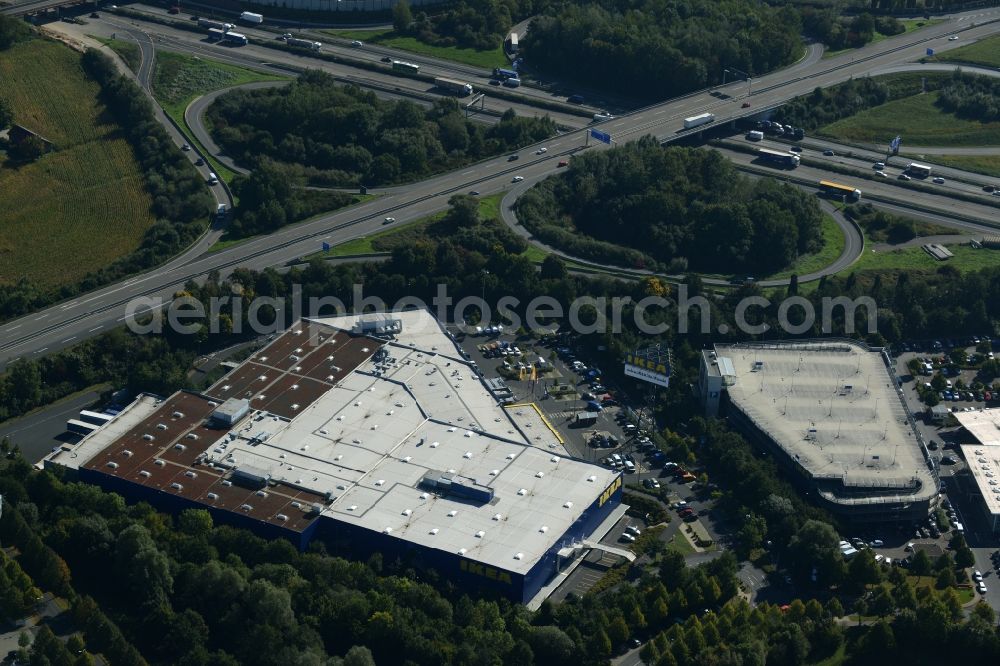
{"points": [[67, 323]]}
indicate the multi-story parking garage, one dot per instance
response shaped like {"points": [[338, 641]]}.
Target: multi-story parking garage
{"points": [[375, 436], [831, 412]]}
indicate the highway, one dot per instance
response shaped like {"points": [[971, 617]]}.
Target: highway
{"points": [[290, 62], [67, 323]]}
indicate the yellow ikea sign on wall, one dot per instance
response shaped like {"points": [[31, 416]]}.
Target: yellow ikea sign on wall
{"points": [[609, 491], [492, 573]]}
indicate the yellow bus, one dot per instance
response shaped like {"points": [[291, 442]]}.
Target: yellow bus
{"points": [[837, 190]]}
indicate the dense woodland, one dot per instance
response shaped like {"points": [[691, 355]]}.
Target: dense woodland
{"points": [[643, 206], [345, 136], [971, 96], [181, 202], [653, 49]]}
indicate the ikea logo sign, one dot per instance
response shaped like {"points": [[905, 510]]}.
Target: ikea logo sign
{"points": [[646, 364], [492, 573], [609, 491]]}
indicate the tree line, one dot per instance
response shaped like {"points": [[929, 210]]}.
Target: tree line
{"points": [[652, 49], [345, 136], [971, 96], [673, 209], [181, 202]]}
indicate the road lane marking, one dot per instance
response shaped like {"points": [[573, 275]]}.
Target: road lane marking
{"points": [[96, 328], [72, 337], [14, 327], [41, 350]]}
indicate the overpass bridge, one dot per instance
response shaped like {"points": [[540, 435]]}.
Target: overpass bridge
{"points": [[32, 7]]}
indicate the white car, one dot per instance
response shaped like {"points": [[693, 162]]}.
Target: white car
{"points": [[877, 543], [977, 576], [541, 151], [878, 166], [981, 587], [357, 44], [517, 179], [627, 537], [389, 220], [882, 174], [953, 38]]}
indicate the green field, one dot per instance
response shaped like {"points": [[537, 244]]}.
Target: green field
{"points": [[833, 246], [388, 37], [911, 25], [79, 208], [913, 258], [924, 125], [179, 79], [985, 164], [984, 52]]}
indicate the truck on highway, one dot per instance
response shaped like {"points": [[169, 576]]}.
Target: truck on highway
{"points": [[250, 17], [216, 34], [304, 43], [235, 38], [700, 119], [755, 135], [504, 74], [460, 88], [219, 25], [918, 170], [512, 82], [783, 159], [836, 190], [401, 66]]}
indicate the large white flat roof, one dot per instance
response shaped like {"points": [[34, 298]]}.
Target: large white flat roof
{"points": [[834, 408], [401, 411], [984, 458]]}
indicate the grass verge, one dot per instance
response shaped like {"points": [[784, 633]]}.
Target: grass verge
{"points": [[984, 52], [926, 125], [76, 209], [967, 259], [911, 25], [833, 246], [128, 51], [179, 79], [485, 59], [988, 165]]}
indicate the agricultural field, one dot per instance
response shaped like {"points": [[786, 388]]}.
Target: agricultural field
{"points": [[984, 52], [486, 59], [926, 125], [79, 208]]}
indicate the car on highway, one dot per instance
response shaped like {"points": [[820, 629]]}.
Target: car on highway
{"points": [[829, 153], [953, 38], [357, 44], [388, 220], [512, 158], [881, 174], [904, 176], [474, 193], [562, 163], [541, 151], [989, 188], [939, 180], [796, 149], [199, 162], [517, 179], [185, 147], [386, 59], [746, 105], [878, 166], [996, 193]]}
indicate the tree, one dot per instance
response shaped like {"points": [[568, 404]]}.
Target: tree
{"points": [[946, 578], [834, 607], [553, 268], [6, 114], [402, 17], [28, 149], [964, 558], [921, 565]]}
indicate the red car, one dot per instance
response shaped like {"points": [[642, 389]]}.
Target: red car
{"points": [[685, 512], [562, 163], [987, 396]]}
